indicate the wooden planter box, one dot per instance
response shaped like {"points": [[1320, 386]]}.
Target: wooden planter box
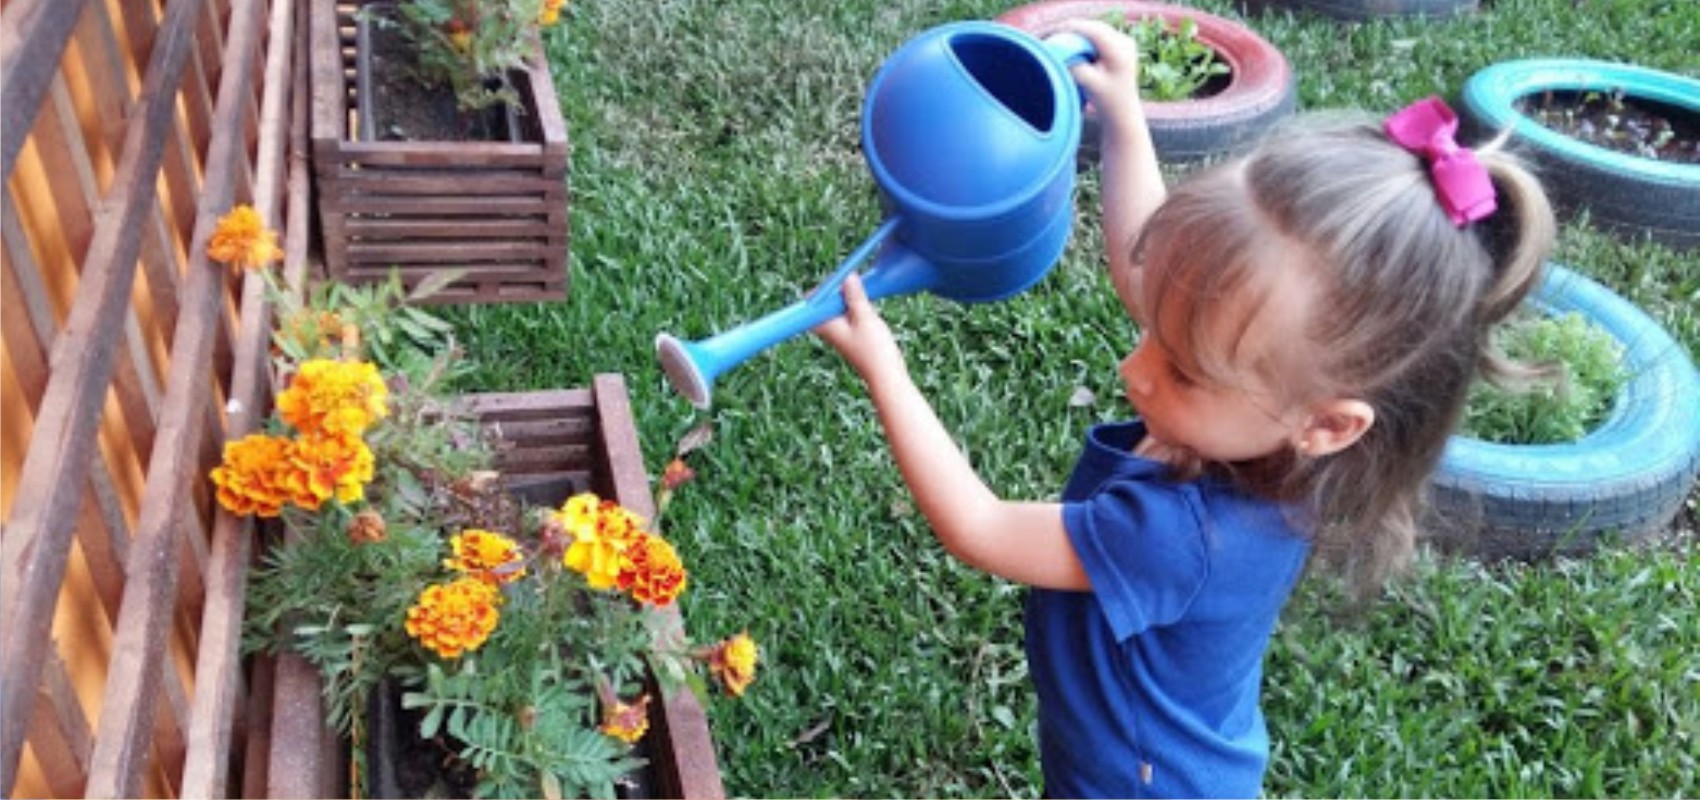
{"points": [[587, 437], [498, 211]]}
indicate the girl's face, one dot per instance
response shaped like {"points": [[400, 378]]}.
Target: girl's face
{"points": [[1231, 411]]}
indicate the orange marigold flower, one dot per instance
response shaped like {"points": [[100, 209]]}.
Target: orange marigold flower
{"points": [[334, 397], [603, 534], [655, 575], [677, 474], [327, 465], [626, 721], [733, 663], [243, 240], [252, 478], [486, 555], [367, 527], [456, 617]]}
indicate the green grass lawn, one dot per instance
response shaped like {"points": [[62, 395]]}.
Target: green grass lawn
{"points": [[716, 176]]}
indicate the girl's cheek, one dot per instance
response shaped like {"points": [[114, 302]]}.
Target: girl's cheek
{"points": [[1136, 373]]}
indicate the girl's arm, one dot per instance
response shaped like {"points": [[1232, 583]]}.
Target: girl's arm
{"points": [[1132, 185], [1020, 541]]}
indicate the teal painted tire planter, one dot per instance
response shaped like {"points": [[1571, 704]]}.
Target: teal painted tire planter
{"points": [[1626, 193], [1626, 479]]}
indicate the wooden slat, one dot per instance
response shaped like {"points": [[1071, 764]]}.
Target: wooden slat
{"points": [[433, 206], [218, 667], [682, 726], [367, 229], [550, 124], [59, 733], [330, 90], [33, 35], [439, 154], [128, 706], [56, 464], [446, 182], [450, 253], [256, 769], [140, 21], [103, 65]]}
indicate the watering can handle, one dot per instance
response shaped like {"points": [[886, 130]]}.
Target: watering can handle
{"points": [[829, 287], [1071, 48]]}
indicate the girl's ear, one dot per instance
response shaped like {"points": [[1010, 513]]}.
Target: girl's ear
{"points": [[1333, 426]]}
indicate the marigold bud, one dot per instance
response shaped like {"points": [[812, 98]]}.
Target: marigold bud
{"points": [[367, 527]]}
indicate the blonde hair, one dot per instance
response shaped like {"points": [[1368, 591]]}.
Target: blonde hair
{"points": [[1405, 307]]}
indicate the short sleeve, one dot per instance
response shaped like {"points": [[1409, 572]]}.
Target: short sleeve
{"points": [[1143, 548]]}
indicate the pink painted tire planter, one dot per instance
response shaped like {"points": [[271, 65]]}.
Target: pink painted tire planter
{"points": [[1260, 90]]}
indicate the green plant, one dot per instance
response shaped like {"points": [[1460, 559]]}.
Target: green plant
{"points": [[524, 635], [471, 45], [1564, 409], [1173, 64]]}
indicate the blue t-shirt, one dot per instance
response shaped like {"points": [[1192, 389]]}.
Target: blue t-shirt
{"points": [[1148, 684]]}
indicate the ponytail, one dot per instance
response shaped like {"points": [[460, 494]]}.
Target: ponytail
{"points": [[1518, 239]]}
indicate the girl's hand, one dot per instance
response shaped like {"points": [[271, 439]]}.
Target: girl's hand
{"points": [[861, 335], [1111, 81]]}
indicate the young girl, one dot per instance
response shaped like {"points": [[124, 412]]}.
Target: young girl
{"points": [[1311, 317]]}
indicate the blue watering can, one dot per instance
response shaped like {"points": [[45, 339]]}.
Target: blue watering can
{"points": [[970, 130]]}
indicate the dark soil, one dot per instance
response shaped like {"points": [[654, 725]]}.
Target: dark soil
{"points": [[400, 763], [404, 108], [1627, 125]]}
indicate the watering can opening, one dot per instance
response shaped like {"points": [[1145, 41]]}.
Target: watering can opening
{"points": [[1010, 75]]}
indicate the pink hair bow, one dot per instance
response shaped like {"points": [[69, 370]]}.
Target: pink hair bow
{"points": [[1429, 129]]}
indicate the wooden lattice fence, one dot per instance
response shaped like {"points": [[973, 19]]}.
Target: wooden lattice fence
{"points": [[130, 126]]}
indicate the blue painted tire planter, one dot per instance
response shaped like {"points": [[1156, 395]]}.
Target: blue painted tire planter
{"points": [[1627, 478], [1626, 193]]}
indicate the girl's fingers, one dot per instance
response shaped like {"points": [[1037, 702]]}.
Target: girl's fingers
{"points": [[855, 297]]}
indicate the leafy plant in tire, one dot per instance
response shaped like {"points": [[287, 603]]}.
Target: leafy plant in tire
{"points": [[1590, 374], [1173, 65]]}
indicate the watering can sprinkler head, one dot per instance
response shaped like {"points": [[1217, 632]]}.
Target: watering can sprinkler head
{"points": [[970, 131]]}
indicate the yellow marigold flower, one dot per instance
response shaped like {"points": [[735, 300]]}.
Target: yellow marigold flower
{"points": [[486, 555], [579, 510], [626, 721], [252, 477], [334, 397], [551, 12], [455, 618], [327, 465], [603, 533], [733, 663], [656, 575], [243, 240]]}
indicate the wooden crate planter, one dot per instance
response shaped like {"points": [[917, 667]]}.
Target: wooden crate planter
{"points": [[588, 438], [498, 211]]}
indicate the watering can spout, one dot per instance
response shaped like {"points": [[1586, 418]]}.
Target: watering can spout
{"points": [[691, 367]]}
